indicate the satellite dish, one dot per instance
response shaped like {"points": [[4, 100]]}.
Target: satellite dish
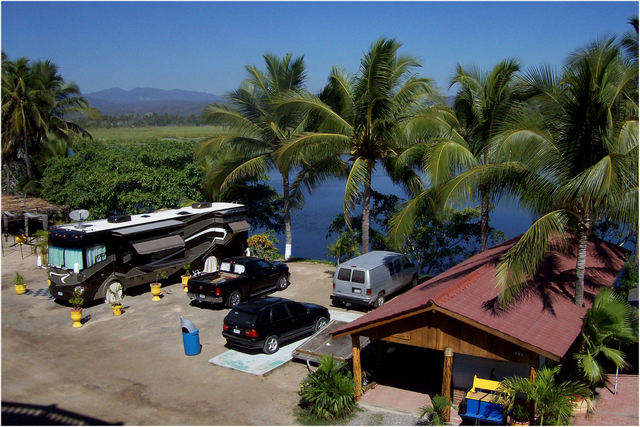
{"points": [[79, 214]]}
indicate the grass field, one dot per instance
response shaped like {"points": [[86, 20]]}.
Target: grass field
{"points": [[133, 134]]}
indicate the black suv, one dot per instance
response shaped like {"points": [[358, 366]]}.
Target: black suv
{"points": [[266, 322]]}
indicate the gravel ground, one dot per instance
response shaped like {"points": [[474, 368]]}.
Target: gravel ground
{"points": [[366, 417]]}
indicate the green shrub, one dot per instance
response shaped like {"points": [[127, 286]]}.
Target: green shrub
{"points": [[264, 245], [435, 413], [328, 392]]}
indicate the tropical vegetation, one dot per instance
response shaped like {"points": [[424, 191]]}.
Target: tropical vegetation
{"points": [[253, 131], [36, 102], [607, 325], [554, 399], [435, 413], [356, 117], [329, 391]]}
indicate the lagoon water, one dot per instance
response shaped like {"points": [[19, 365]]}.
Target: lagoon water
{"points": [[310, 224]]}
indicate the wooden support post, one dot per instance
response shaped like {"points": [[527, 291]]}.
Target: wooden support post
{"points": [[357, 368], [446, 380]]}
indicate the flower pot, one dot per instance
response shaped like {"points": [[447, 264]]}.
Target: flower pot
{"points": [[20, 289], [185, 280], [76, 316], [513, 422], [156, 291], [117, 309]]}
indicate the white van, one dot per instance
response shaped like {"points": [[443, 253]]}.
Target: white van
{"points": [[368, 279]]}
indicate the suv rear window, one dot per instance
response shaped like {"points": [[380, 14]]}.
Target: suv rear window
{"points": [[241, 318], [344, 274], [358, 276]]}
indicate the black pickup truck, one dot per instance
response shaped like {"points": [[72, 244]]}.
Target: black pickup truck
{"points": [[239, 279]]}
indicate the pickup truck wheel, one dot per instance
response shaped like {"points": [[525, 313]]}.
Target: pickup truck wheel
{"points": [[320, 323], [271, 344], [282, 283], [379, 300], [233, 299]]}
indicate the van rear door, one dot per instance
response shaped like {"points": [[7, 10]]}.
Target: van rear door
{"points": [[350, 282]]}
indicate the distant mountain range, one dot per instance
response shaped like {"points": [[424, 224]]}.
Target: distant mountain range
{"points": [[143, 100]]}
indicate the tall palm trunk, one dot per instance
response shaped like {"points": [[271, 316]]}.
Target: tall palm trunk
{"points": [[287, 215], [583, 233], [366, 212], [484, 220], [27, 161]]}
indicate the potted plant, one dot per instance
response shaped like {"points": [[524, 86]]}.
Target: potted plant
{"points": [[186, 276], [19, 285], [115, 295], [155, 286], [520, 414], [42, 244], [77, 301]]}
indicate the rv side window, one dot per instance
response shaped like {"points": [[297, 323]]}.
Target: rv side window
{"points": [[344, 274], [95, 254], [358, 276]]}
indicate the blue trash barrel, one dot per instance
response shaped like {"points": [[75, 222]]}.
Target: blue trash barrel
{"points": [[191, 341]]}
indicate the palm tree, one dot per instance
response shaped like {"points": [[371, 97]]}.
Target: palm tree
{"points": [[630, 39], [461, 144], [357, 117], [553, 400], [585, 132], [253, 130], [22, 109], [607, 324]]}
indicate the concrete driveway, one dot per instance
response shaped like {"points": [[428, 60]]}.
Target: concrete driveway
{"points": [[132, 369]]}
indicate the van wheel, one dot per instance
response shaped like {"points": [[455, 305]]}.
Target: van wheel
{"points": [[379, 300], [282, 283], [271, 344], [233, 299]]}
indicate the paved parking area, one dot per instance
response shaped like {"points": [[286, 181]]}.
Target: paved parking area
{"points": [[132, 369]]}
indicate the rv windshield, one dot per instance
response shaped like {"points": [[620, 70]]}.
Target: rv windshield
{"points": [[68, 257]]}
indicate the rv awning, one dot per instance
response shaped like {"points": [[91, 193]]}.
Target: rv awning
{"points": [[239, 226], [127, 231], [157, 245]]}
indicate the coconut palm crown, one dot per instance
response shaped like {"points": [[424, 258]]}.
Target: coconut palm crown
{"points": [[583, 133], [356, 117]]}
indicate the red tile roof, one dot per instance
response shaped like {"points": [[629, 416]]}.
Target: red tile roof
{"points": [[543, 316]]}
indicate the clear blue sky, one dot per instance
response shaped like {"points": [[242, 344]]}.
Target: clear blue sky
{"points": [[205, 46]]}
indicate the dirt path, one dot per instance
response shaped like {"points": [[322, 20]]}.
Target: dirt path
{"points": [[132, 369]]}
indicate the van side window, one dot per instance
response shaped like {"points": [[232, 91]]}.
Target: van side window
{"points": [[391, 269], [407, 262], [397, 266], [344, 274], [358, 276]]}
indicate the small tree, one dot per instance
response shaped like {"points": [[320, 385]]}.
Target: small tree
{"points": [[328, 392], [345, 246], [263, 245]]}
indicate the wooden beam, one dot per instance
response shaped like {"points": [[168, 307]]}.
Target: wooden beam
{"points": [[429, 307], [446, 381], [497, 333], [357, 368]]}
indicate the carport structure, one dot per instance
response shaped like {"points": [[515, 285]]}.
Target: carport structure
{"points": [[457, 312]]}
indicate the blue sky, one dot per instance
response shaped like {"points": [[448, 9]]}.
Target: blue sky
{"points": [[204, 46]]}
